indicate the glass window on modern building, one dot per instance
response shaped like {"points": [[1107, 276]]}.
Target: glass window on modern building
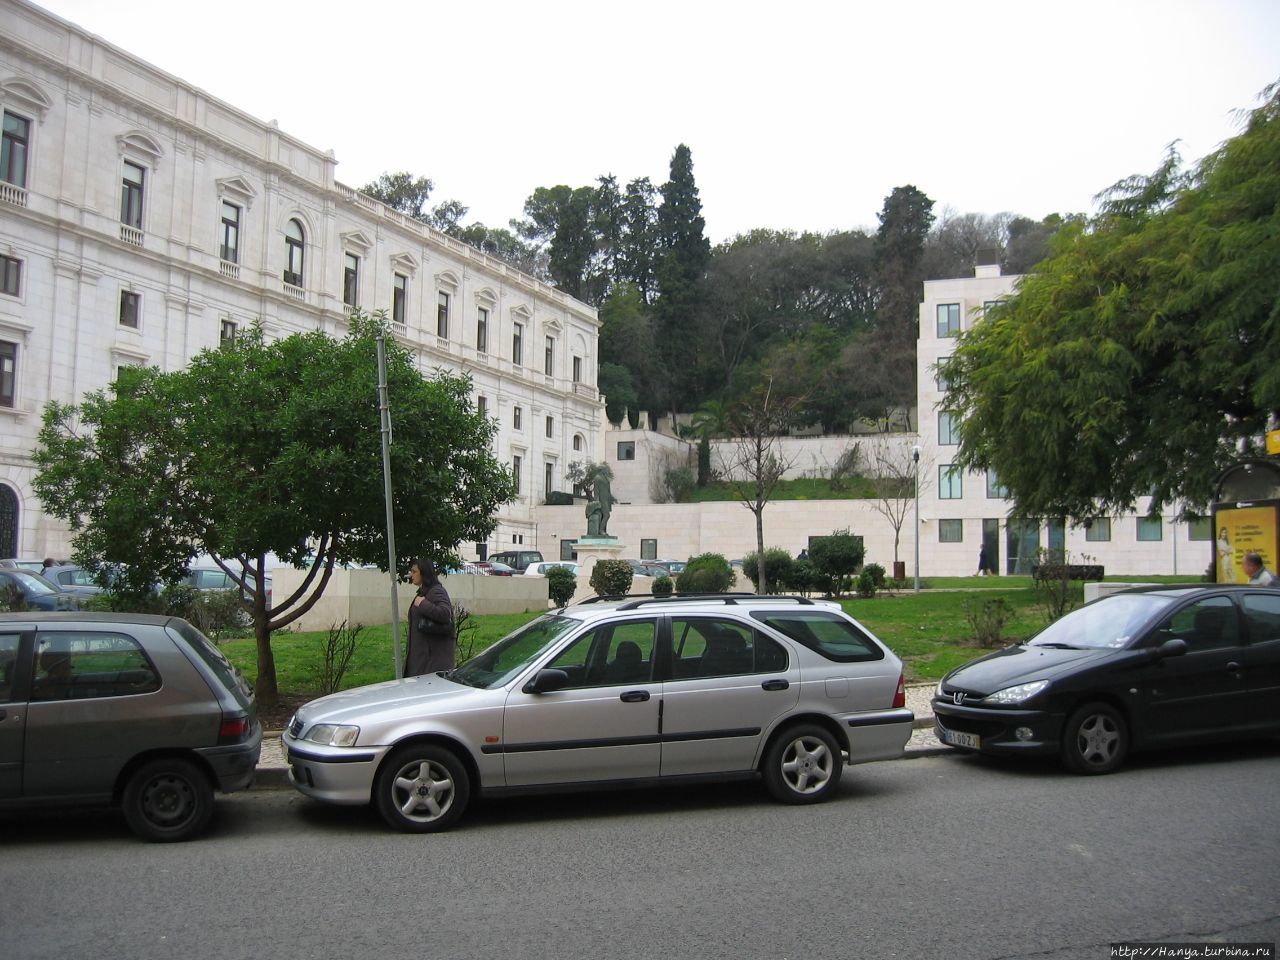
{"points": [[482, 330], [951, 531], [295, 244], [130, 308], [442, 315], [351, 280], [11, 276], [1098, 530], [131, 195], [229, 247], [995, 489], [517, 345], [1150, 529], [948, 430], [948, 319], [950, 482], [13, 149], [400, 299], [941, 382], [8, 373], [1201, 529]]}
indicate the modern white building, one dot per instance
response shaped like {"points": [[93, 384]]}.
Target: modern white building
{"points": [[143, 220]]}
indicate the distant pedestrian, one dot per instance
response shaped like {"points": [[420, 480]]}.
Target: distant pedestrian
{"points": [[803, 554], [984, 566], [432, 640], [1258, 574], [48, 562]]}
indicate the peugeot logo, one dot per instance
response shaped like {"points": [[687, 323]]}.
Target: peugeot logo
{"points": [[957, 698]]}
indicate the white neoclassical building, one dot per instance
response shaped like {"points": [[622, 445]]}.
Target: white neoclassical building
{"points": [[143, 220]]}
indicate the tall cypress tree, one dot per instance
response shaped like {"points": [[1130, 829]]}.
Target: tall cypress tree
{"points": [[899, 269], [684, 252]]}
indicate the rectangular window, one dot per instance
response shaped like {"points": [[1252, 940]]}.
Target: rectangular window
{"points": [[1098, 530], [551, 423], [566, 550], [577, 369], [11, 276], [515, 471], [995, 489], [517, 345], [8, 373], [549, 358], [228, 333], [942, 383], [648, 548], [951, 531], [229, 249], [482, 405], [948, 434], [548, 472], [131, 195], [400, 299], [351, 280], [442, 315], [626, 450], [948, 319], [517, 418], [1201, 529], [482, 330], [1150, 529], [950, 482], [130, 308], [13, 150]]}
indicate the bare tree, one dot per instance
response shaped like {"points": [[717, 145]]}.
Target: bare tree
{"points": [[754, 463], [894, 473]]}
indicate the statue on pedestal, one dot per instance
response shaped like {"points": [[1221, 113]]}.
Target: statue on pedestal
{"points": [[599, 507]]}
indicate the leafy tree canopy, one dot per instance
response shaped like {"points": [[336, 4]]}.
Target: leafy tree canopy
{"points": [[1141, 357]]}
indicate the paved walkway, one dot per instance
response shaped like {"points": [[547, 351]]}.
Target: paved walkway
{"points": [[272, 773]]}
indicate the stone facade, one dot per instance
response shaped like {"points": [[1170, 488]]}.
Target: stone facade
{"points": [[149, 220]]}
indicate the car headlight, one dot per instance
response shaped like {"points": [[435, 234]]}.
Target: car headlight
{"points": [[333, 735], [1019, 694]]}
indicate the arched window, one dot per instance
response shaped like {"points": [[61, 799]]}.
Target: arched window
{"points": [[577, 442], [294, 242]]}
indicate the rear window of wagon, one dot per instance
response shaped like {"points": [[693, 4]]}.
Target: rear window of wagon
{"points": [[826, 633]]}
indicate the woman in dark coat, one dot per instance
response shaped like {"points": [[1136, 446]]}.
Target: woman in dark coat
{"points": [[432, 643]]}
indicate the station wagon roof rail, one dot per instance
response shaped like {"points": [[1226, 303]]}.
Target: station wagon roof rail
{"points": [[635, 601]]}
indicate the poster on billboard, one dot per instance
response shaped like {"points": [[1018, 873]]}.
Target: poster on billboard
{"points": [[1240, 530]]}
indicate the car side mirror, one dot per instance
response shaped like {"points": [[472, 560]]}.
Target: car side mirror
{"points": [[1173, 647], [547, 680]]}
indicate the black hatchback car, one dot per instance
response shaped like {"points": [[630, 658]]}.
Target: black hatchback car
{"points": [[1138, 669], [141, 711]]}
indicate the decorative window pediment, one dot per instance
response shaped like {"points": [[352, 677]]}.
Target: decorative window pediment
{"points": [[486, 297], [356, 241], [521, 313], [124, 354], [237, 190], [404, 263], [140, 145], [447, 280], [25, 95], [553, 328]]}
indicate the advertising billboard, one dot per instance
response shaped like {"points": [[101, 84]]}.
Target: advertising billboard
{"points": [[1241, 529]]}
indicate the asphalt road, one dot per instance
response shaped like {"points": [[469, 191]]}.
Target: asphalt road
{"points": [[946, 857]]}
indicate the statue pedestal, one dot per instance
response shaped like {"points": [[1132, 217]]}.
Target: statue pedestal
{"points": [[590, 551]]}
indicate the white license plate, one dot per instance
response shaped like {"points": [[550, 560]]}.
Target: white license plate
{"points": [[958, 739]]}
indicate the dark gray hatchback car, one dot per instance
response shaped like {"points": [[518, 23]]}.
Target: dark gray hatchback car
{"points": [[129, 709]]}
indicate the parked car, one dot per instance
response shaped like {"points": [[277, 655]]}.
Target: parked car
{"points": [[32, 566], [645, 691], [215, 578], [540, 569], [72, 579], [1138, 669], [140, 711], [674, 567], [462, 569], [517, 560], [36, 592], [647, 568], [493, 568]]}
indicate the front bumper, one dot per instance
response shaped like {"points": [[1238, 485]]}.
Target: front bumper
{"points": [[996, 729], [233, 765], [333, 774]]}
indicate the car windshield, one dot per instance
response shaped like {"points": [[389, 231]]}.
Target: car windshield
{"points": [[512, 654], [37, 586], [1109, 624]]}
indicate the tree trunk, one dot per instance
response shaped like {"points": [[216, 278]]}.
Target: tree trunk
{"points": [[763, 575], [265, 688]]}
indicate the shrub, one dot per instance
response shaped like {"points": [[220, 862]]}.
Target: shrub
{"points": [[835, 558], [870, 580], [803, 578], [465, 629], [987, 618], [1055, 591], [562, 583], [706, 573], [663, 586], [611, 578], [679, 484], [13, 599], [777, 564], [338, 649]]}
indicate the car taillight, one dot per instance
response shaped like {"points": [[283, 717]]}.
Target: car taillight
{"points": [[900, 698], [233, 730]]}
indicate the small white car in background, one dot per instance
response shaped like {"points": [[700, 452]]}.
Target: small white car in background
{"points": [[540, 569]]}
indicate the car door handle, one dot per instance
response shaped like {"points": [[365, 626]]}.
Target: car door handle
{"points": [[775, 685], [1233, 667], [635, 696]]}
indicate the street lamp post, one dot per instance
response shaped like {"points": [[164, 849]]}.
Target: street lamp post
{"points": [[915, 458]]}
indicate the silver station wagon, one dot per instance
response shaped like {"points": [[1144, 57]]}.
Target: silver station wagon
{"points": [[642, 691]]}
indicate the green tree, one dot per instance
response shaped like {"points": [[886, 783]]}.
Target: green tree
{"points": [[262, 447], [403, 192], [899, 256], [627, 339], [561, 217], [683, 253], [639, 238], [1141, 356], [836, 558], [618, 387]]}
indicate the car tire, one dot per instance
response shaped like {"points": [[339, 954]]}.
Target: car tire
{"points": [[168, 800], [1095, 739], [802, 765], [422, 788]]}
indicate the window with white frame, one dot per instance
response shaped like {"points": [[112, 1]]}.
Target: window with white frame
{"points": [[8, 373], [351, 280], [951, 531], [1150, 529], [482, 330], [948, 319], [132, 187], [948, 432], [295, 245], [130, 308], [1098, 530], [10, 276], [13, 149], [229, 246], [442, 315], [400, 299], [950, 482]]}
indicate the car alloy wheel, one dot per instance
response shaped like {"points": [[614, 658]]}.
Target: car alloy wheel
{"points": [[422, 789], [167, 800], [1095, 740], [802, 765]]}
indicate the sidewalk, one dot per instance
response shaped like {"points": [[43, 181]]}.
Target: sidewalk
{"points": [[272, 774]]}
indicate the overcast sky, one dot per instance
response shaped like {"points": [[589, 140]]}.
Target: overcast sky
{"points": [[800, 115]]}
